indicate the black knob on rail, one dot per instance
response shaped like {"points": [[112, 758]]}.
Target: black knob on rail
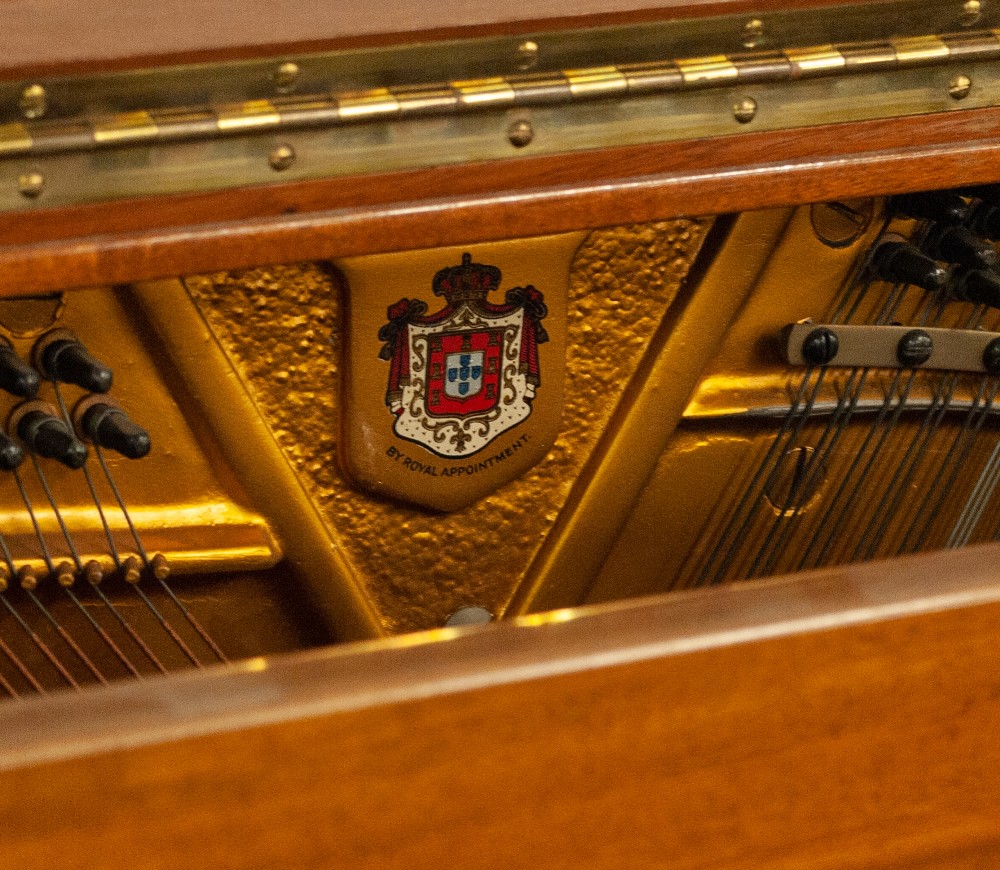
{"points": [[62, 357], [16, 376], [50, 437], [820, 346], [936, 205], [900, 262], [985, 221], [977, 286], [961, 246], [914, 348], [11, 454], [110, 427]]}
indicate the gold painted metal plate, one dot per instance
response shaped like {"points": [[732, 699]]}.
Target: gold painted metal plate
{"points": [[279, 335], [886, 461], [183, 500], [455, 358]]}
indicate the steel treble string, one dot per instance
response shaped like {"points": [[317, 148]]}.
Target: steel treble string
{"points": [[803, 483], [783, 526], [915, 453], [952, 463], [752, 497]]}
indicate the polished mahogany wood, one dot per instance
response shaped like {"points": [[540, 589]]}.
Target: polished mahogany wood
{"points": [[45, 37], [838, 720]]}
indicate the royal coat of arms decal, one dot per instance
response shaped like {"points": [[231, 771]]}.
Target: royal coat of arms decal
{"points": [[465, 374], [448, 397]]}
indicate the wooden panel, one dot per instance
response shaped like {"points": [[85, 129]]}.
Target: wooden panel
{"points": [[52, 36], [843, 720]]}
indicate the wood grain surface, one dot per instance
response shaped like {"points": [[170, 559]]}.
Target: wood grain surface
{"points": [[841, 720], [41, 37]]}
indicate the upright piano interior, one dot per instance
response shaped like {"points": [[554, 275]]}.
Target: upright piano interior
{"points": [[727, 485]]}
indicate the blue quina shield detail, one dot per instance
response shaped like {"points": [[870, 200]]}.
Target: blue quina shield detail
{"points": [[465, 374]]}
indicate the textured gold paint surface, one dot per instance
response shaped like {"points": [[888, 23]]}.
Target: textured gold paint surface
{"points": [[280, 326]]}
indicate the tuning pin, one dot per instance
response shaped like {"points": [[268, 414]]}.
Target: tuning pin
{"points": [[93, 572], [937, 205], [61, 356], [960, 246], [65, 575], [109, 426], [900, 262], [979, 286], [16, 376], [27, 578], [47, 435], [131, 570]]}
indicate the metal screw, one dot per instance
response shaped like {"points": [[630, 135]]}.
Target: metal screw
{"points": [[837, 224], [469, 616], [281, 157], [753, 33], [745, 110], [972, 11], [34, 101], [820, 346], [959, 87], [914, 348], [527, 55], [520, 133], [285, 77], [31, 184]]}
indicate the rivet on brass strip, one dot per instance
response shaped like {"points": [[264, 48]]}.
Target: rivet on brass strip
{"points": [[14, 138], [819, 60], [366, 104], [242, 116], [707, 70], [479, 92], [596, 81], [126, 127], [919, 49]]}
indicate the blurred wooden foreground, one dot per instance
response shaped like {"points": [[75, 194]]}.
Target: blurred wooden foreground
{"points": [[836, 720]]}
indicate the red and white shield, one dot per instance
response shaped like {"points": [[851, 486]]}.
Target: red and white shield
{"points": [[467, 373]]}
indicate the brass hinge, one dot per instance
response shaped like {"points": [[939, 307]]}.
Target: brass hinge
{"points": [[190, 128]]}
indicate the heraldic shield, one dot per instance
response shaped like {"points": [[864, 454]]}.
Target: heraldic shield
{"points": [[449, 396], [462, 376]]}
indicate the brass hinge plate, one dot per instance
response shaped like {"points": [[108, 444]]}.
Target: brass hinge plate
{"points": [[210, 127]]}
